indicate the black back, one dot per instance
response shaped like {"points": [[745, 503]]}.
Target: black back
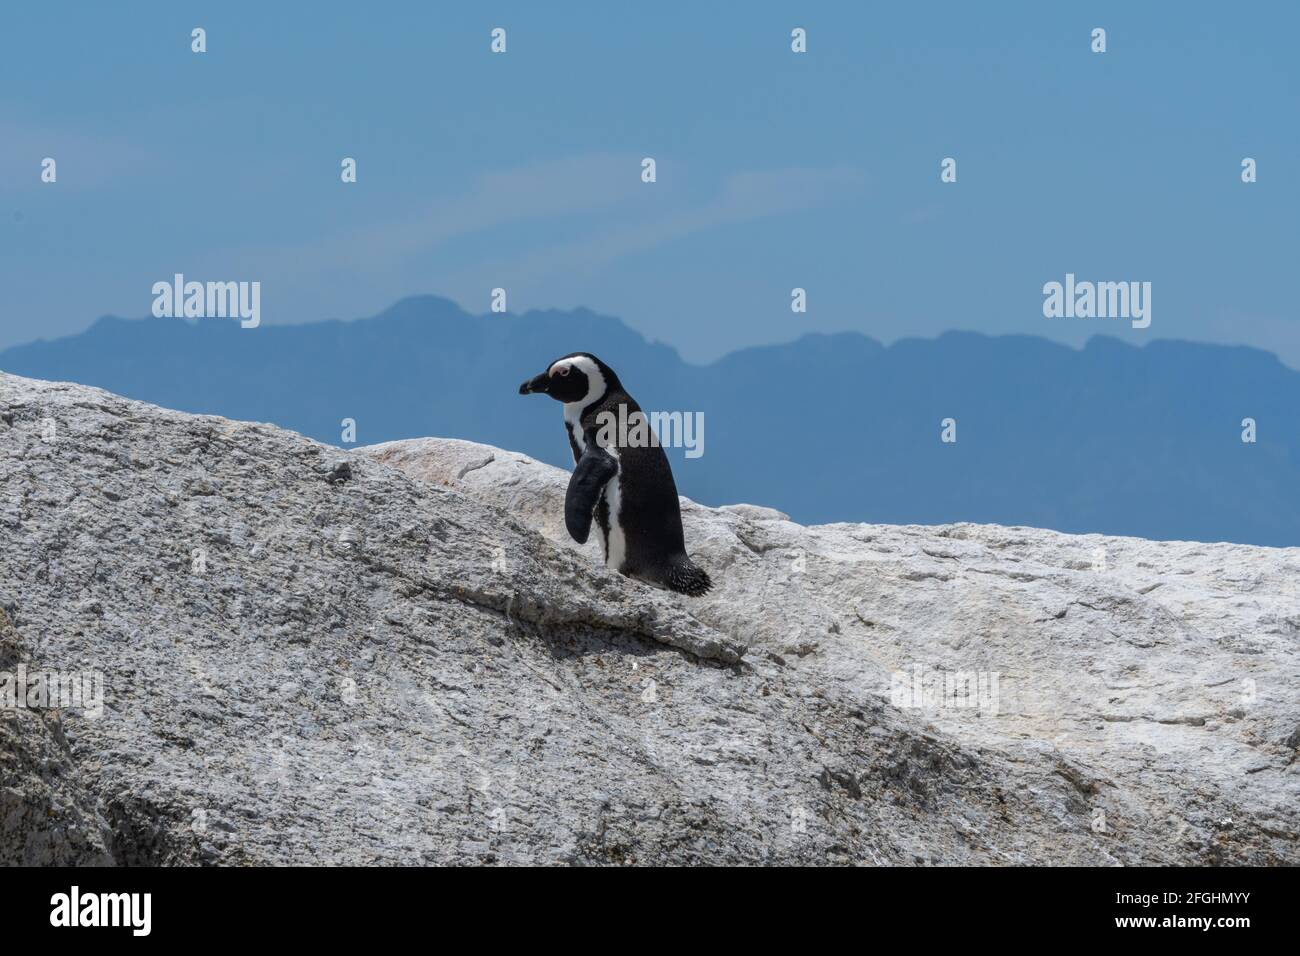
{"points": [[649, 510]]}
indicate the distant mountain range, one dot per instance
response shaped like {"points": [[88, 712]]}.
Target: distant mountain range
{"points": [[1111, 438]]}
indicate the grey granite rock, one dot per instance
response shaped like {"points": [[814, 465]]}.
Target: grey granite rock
{"points": [[1162, 678], [306, 662], [46, 816]]}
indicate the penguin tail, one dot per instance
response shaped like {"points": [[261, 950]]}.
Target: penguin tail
{"points": [[685, 577]]}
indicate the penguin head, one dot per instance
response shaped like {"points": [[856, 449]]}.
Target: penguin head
{"points": [[579, 377]]}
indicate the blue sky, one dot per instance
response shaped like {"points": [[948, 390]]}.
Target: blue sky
{"points": [[775, 170]]}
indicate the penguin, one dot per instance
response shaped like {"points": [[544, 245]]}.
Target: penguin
{"points": [[622, 479]]}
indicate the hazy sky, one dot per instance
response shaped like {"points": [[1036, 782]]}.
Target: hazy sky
{"points": [[775, 170]]}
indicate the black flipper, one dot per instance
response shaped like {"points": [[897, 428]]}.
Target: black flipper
{"points": [[595, 468]]}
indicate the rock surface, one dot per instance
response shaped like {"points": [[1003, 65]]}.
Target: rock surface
{"points": [[46, 816], [391, 655], [1162, 678]]}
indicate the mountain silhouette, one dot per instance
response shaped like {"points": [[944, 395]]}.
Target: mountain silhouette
{"points": [[1110, 438]]}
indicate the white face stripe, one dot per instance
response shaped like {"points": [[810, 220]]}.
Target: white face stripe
{"points": [[595, 380]]}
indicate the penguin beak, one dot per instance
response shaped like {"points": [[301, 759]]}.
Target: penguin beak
{"points": [[541, 384]]}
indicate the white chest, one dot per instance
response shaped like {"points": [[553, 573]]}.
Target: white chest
{"points": [[615, 541], [572, 421], [575, 432]]}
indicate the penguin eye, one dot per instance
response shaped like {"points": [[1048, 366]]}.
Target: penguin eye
{"points": [[562, 371]]}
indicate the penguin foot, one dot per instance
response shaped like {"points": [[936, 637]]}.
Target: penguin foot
{"points": [[685, 577]]}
